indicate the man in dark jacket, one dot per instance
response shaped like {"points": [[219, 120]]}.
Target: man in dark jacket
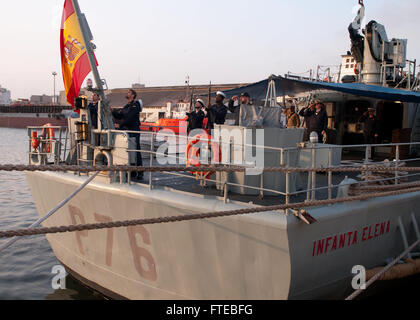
{"points": [[196, 117], [245, 99], [370, 129], [216, 113], [303, 113], [316, 120], [130, 121], [93, 109]]}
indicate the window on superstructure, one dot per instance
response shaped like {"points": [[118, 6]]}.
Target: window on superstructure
{"points": [[347, 66]]}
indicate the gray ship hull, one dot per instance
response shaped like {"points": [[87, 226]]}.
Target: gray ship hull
{"points": [[259, 256]]}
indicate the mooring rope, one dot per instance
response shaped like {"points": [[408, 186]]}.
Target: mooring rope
{"points": [[220, 168], [360, 187], [189, 217]]}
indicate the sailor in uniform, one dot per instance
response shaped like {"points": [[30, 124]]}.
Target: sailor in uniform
{"points": [[316, 120], [244, 100], [130, 121], [216, 113], [93, 109], [293, 120], [196, 117], [370, 128]]}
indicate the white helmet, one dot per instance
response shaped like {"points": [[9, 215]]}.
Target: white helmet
{"points": [[220, 93], [200, 101]]}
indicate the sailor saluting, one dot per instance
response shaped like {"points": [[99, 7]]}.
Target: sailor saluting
{"points": [[196, 117], [130, 121], [244, 100], [216, 113]]}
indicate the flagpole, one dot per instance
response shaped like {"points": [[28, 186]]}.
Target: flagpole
{"points": [[87, 38]]}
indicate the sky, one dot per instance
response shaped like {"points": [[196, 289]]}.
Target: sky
{"points": [[161, 42]]}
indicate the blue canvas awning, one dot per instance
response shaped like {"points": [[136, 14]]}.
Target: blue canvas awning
{"points": [[289, 86], [286, 86]]}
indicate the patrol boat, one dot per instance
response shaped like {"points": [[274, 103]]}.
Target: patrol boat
{"points": [[305, 253]]}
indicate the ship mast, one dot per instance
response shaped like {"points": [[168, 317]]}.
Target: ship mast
{"points": [[105, 115]]}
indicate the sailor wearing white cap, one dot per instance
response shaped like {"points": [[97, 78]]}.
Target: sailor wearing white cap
{"points": [[196, 117], [216, 113], [220, 93], [201, 102], [243, 100]]}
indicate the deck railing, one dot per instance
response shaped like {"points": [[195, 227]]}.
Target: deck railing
{"points": [[313, 186]]}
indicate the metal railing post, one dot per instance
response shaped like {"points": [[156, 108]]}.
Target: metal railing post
{"points": [[59, 145], [313, 173], [30, 145], [225, 192], [108, 137], [287, 188], [330, 174], [397, 162], [308, 192], [367, 156], [282, 157], [151, 159], [65, 143]]}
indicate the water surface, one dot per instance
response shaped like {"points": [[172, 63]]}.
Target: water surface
{"points": [[25, 267]]}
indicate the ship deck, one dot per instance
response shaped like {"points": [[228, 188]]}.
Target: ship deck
{"points": [[186, 183]]}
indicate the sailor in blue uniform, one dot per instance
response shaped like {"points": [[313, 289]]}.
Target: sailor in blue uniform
{"points": [[130, 116], [216, 113]]}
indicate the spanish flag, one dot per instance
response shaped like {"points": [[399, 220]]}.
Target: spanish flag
{"points": [[74, 58]]}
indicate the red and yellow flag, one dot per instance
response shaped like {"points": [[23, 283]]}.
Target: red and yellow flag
{"points": [[74, 59]]}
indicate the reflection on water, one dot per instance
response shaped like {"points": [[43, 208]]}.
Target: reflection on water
{"points": [[74, 291], [25, 267]]}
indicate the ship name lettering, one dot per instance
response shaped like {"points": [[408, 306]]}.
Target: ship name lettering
{"points": [[351, 238]]}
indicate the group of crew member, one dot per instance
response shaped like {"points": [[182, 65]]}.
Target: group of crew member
{"points": [[216, 113], [315, 116]]}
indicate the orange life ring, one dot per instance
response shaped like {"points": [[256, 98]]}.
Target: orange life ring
{"points": [[48, 134], [192, 154]]}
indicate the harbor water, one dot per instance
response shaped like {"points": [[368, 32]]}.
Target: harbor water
{"points": [[26, 267]]}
